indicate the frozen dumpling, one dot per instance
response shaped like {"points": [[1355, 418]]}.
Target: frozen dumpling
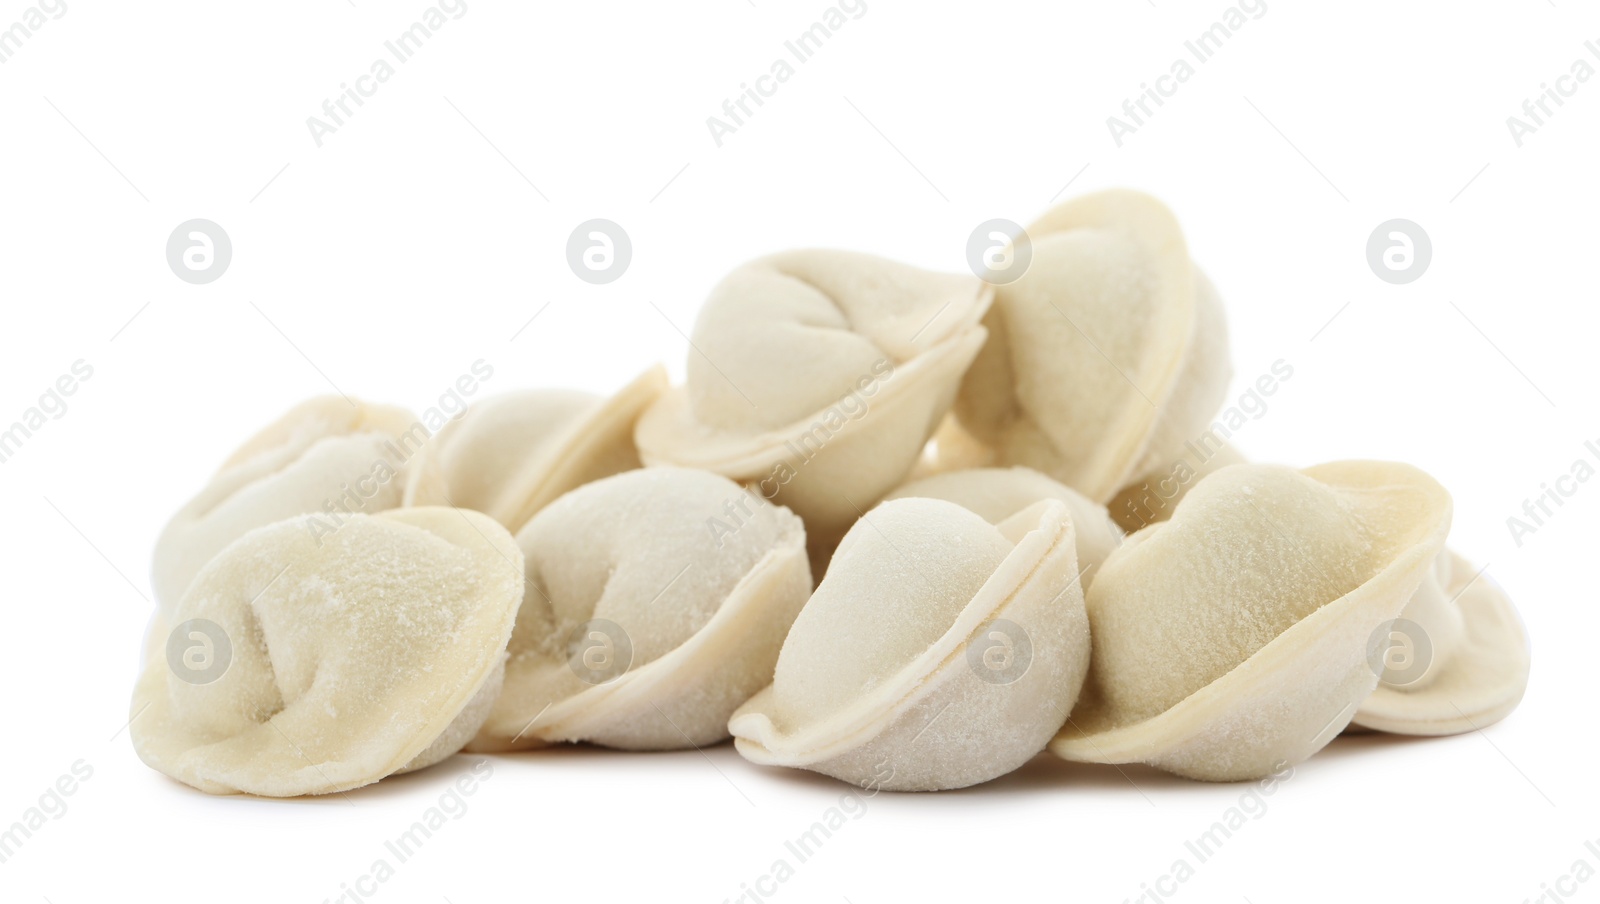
{"points": [[815, 377], [1232, 639], [304, 666], [656, 603], [1106, 355], [939, 651]]}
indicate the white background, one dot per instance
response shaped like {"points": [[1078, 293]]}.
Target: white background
{"points": [[414, 242]]}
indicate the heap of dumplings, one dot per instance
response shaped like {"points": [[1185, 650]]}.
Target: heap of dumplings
{"points": [[869, 537]]}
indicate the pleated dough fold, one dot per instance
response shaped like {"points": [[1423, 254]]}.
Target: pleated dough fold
{"points": [[516, 452], [327, 457]]}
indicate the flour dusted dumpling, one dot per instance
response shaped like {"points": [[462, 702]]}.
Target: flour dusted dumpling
{"points": [[310, 666], [656, 603], [939, 651], [816, 377], [1232, 639], [996, 494], [516, 452], [1455, 661], [1106, 355], [326, 458]]}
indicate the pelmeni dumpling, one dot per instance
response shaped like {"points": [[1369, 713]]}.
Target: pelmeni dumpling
{"points": [[327, 458], [996, 494], [1232, 639], [1456, 659], [939, 651], [1106, 355], [656, 603], [816, 377], [310, 665], [514, 453]]}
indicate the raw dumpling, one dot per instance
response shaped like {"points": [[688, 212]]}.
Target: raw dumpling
{"points": [[1232, 639], [1455, 661], [514, 453], [1106, 355], [816, 377], [326, 458], [940, 651], [996, 494], [656, 603], [305, 666]]}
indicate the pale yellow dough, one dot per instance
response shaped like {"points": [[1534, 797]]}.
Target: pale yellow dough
{"points": [[374, 650], [514, 453], [1106, 355], [657, 600], [302, 464], [816, 377], [1476, 661], [1232, 639], [940, 651]]}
